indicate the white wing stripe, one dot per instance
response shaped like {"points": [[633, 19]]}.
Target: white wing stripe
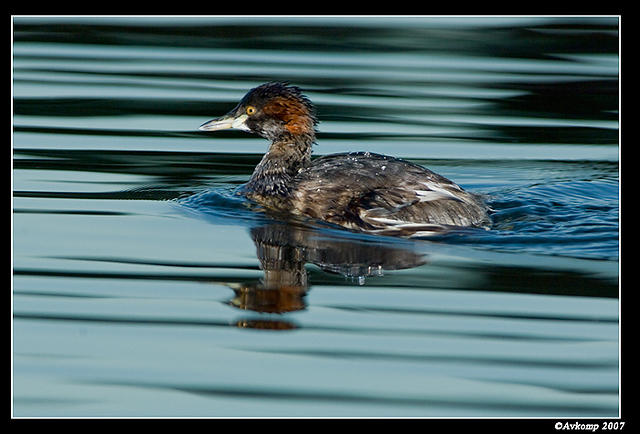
{"points": [[435, 193]]}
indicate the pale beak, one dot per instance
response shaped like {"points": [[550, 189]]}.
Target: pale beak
{"points": [[225, 122]]}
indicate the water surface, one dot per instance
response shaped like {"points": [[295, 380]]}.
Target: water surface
{"points": [[142, 286]]}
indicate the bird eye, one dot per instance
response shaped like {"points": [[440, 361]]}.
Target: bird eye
{"points": [[250, 110]]}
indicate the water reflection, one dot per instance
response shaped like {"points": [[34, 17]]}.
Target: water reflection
{"points": [[283, 251]]}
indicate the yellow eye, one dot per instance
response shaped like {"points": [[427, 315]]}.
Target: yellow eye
{"points": [[250, 110]]}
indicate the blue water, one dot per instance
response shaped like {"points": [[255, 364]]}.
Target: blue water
{"points": [[143, 286]]}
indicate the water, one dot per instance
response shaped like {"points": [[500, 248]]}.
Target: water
{"points": [[143, 287]]}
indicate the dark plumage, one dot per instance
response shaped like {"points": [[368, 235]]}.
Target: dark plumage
{"points": [[360, 191]]}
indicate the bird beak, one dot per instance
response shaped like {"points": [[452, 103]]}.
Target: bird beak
{"points": [[225, 122]]}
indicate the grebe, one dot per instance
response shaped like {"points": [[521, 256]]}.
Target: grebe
{"points": [[360, 191]]}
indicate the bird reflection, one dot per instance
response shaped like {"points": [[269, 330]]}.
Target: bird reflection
{"points": [[284, 249]]}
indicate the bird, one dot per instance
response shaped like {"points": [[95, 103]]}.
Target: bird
{"points": [[360, 191]]}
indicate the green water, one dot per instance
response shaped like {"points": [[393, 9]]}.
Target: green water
{"points": [[143, 287]]}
